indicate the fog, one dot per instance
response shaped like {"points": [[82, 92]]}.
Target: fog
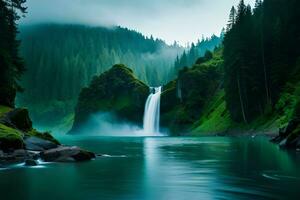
{"points": [[107, 124], [171, 20]]}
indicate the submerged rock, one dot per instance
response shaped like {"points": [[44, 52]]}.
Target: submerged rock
{"points": [[66, 154], [31, 162]]}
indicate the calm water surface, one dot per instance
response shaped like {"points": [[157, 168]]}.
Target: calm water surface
{"points": [[162, 168]]}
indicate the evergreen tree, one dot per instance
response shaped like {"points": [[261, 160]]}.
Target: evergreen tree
{"points": [[191, 56], [261, 50], [11, 64], [232, 18]]}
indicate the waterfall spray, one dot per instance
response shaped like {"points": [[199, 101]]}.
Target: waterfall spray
{"points": [[152, 111]]}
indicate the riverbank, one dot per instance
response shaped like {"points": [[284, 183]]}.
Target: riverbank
{"points": [[21, 143]]}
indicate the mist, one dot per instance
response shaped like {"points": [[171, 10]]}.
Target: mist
{"points": [[107, 124], [177, 20]]}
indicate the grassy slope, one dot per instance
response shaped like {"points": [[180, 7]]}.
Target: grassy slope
{"points": [[216, 118]]}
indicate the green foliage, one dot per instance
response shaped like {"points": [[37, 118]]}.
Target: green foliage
{"points": [[287, 107], [117, 91], [215, 118], [201, 49], [261, 48], [4, 110], [183, 100], [62, 59], [56, 116], [11, 65]]}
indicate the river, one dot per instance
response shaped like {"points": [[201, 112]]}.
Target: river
{"points": [[154, 168]]}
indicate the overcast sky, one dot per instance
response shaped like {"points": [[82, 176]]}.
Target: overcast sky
{"points": [[171, 20]]}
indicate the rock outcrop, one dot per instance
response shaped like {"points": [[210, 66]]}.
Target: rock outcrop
{"points": [[20, 143], [66, 154], [18, 118], [116, 91]]}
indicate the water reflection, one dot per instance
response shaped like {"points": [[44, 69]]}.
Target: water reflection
{"points": [[162, 168], [218, 168]]}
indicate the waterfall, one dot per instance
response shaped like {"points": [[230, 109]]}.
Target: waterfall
{"points": [[152, 111]]}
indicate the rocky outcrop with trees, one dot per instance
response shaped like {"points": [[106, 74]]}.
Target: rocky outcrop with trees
{"points": [[116, 91]]}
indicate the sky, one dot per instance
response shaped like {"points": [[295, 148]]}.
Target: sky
{"points": [[184, 21]]}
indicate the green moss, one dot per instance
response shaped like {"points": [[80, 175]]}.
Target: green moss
{"points": [[10, 138], [116, 90], [4, 110]]}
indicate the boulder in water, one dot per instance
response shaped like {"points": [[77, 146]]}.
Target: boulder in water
{"points": [[37, 144], [30, 162], [66, 154]]}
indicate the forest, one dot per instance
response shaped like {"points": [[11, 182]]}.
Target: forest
{"points": [[74, 54], [261, 56], [118, 113], [250, 83]]}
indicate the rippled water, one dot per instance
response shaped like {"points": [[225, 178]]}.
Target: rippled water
{"points": [[162, 168]]}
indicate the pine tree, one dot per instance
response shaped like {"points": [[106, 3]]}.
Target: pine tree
{"points": [[11, 64], [232, 18]]}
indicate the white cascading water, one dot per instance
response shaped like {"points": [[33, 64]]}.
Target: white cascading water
{"points": [[152, 112]]}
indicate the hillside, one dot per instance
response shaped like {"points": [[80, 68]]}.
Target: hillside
{"points": [[118, 92], [258, 86], [62, 59]]}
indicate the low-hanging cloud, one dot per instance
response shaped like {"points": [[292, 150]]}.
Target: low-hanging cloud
{"points": [[108, 124], [180, 20]]}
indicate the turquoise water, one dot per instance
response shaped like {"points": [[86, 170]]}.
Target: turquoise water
{"points": [[162, 168]]}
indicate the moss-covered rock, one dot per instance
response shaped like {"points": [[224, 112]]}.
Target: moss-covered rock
{"points": [[16, 126], [18, 140], [117, 91], [10, 138], [18, 118], [4, 110]]}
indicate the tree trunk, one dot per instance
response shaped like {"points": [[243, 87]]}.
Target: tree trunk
{"points": [[264, 64], [241, 99]]}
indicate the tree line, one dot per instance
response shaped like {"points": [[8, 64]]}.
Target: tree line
{"points": [[198, 50], [261, 54], [62, 59]]}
